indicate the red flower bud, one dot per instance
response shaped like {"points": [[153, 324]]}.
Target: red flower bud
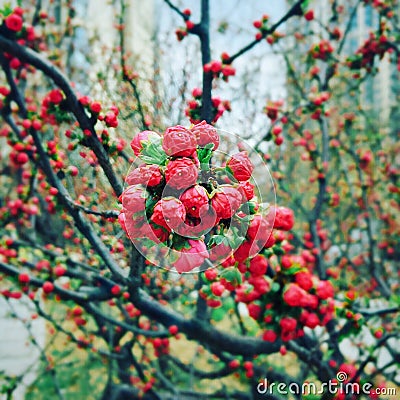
{"points": [[195, 200], [226, 201], [295, 296], [181, 173], [134, 199], [269, 336], [147, 175], [140, 138], [169, 213], [247, 189], [205, 134], [95, 107], [325, 290], [14, 22], [197, 93], [48, 287], [23, 278], [211, 274], [217, 288], [288, 324], [309, 15], [173, 329], [189, 25], [55, 96], [284, 218], [179, 142], [259, 229], [240, 166], [191, 257], [258, 265], [304, 280]]}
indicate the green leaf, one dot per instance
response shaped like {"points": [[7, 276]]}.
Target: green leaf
{"points": [[232, 275], [206, 289], [246, 219], [268, 252], [275, 287], [252, 207], [278, 250], [150, 203], [217, 240], [236, 241], [304, 5], [292, 270], [235, 238], [218, 314], [228, 303], [151, 160], [152, 152], [204, 154], [75, 284], [6, 10]]}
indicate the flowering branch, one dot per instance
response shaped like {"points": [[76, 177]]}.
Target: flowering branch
{"points": [[295, 10], [31, 57]]}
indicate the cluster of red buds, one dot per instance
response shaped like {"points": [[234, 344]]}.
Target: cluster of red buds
{"points": [[279, 290], [318, 103], [220, 68], [321, 50], [17, 28], [262, 26], [110, 118], [263, 29], [181, 33], [55, 110], [195, 213], [185, 214], [194, 107], [365, 55], [272, 109]]}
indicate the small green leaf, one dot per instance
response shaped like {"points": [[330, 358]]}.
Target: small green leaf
{"points": [[252, 206], [218, 314], [278, 250], [217, 240], [304, 5], [275, 287], [150, 203], [236, 241], [152, 152], [232, 275], [204, 154], [6, 10], [292, 270], [268, 252]]}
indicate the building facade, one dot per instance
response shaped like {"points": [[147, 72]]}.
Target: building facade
{"points": [[380, 91]]}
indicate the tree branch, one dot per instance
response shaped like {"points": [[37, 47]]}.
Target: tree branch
{"points": [[36, 60], [295, 10]]}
